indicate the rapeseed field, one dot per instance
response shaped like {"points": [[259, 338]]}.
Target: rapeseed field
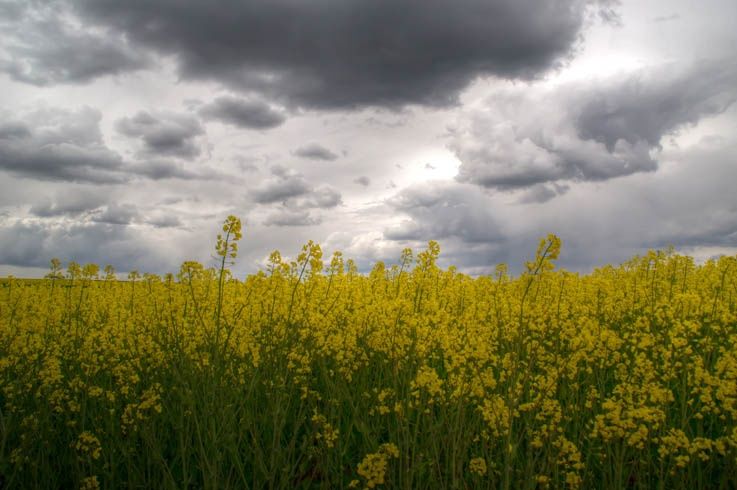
{"points": [[311, 375]]}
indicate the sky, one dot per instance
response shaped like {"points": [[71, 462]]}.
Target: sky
{"points": [[130, 130]]}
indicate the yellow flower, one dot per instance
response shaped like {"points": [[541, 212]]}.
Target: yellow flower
{"points": [[89, 483], [477, 466], [373, 469], [373, 466], [88, 444]]}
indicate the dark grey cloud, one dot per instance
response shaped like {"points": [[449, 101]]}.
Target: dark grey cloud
{"points": [[577, 132], [14, 130], [43, 47], [33, 243], [362, 180], [695, 205], [294, 192], [59, 145], [165, 169], [330, 54], [243, 113], [289, 217], [21, 245], [281, 186], [314, 151], [649, 105], [63, 162], [163, 134]]}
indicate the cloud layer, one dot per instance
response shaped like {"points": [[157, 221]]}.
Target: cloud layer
{"points": [[691, 205], [243, 113], [586, 132], [60, 145]]}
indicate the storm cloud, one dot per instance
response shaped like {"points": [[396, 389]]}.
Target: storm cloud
{"points": [[295, 193], [315, 151], [163, 134], [362, 180], [329, 54], [243, 113], [157, 169], [283, 185]]}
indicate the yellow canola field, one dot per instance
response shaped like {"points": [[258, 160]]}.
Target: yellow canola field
{"points": [[311, 375]]}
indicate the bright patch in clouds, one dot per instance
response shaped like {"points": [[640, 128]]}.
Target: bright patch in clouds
{"points": [[433, 164]]}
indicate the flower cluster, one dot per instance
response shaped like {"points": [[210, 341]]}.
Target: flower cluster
{"points": [[373, 467]]}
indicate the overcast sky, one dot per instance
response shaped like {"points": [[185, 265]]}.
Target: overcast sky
{"points": [[130, 130]]}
